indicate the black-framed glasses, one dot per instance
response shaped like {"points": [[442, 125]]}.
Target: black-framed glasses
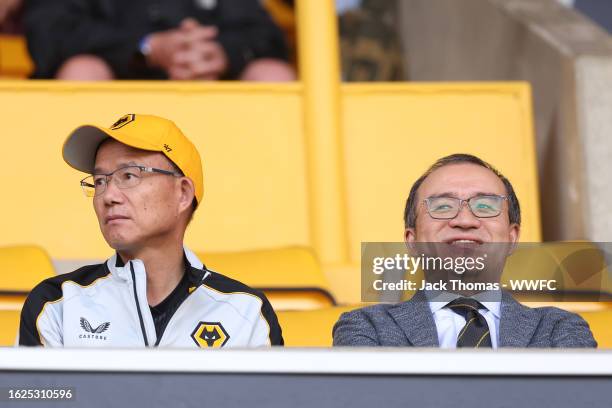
{"points": [[125, 177], [482, 206]]}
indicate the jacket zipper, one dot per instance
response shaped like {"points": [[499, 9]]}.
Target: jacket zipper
{"points": [[196, 285], [142, 326]]}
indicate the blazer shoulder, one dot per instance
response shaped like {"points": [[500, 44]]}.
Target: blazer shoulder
{"points": [[567, 329], [360, 327], [367, 314]]}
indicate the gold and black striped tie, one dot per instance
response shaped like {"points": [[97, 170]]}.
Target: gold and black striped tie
{"points": [[475, 333]]}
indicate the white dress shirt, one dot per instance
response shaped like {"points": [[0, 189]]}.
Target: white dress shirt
{"points": [[449, 323]]}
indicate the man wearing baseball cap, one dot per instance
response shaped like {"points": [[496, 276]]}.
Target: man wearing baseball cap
{"points": [[145, 179]]}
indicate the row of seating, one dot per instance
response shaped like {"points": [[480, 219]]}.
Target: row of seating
{"points": [[270, 181], [303, 300]]}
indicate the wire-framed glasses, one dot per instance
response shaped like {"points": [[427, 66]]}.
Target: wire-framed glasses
{"points": [[125, 177], [482, 206]]}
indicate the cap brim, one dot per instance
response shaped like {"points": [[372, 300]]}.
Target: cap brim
{"points": [[80, 147]]}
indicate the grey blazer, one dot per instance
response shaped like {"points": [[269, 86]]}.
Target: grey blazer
{"points": [[411, 323]]}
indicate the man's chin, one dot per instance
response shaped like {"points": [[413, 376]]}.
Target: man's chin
{"points": [[119, 243]]}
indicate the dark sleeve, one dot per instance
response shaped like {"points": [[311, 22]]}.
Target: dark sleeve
{"points": [[276, 333], [59, 29], [246, 33], [32, 317], [572, 331], [355, 329], [28, 335]]}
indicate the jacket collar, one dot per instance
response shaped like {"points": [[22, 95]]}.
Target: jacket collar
{"points": [[416, 320], [193, 266], [517, 323]]}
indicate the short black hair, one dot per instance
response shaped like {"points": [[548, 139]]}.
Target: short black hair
{"points": [[514, 209]]}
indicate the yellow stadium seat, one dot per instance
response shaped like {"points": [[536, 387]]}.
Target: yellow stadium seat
{"points": [[291, 277], [15, 62], [9, 326], [21, 268], [310, 328], [394, 132], [599, 321], [578, 268]]}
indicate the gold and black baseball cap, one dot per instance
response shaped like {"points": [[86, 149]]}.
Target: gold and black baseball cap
{"points": [[146, 132]]}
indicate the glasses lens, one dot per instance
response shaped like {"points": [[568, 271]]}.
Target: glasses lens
{"points": [[443, 207], [486, 206], [87, 184], [127, 177]]}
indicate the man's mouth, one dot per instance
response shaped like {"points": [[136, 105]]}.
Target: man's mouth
{"points": [[112, 218], [464, 241]]}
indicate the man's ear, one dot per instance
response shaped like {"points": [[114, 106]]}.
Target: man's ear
{"points": [[514, 234], [409, 235], [187, 194], [410, 239]]}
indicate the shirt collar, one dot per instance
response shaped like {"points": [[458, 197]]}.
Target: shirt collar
{"points": [[438, 300], [491, 300]]}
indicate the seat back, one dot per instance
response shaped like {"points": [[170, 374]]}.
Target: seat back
{"points": [[21, 268], [15, 62], [310, 328], [9, 327], [291, 278], [578, 269]]}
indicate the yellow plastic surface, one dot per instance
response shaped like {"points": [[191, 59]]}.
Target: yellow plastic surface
{"points": [[599, 322], [312, 328], [249, 136], [270, 268], [320, 73], [575, 266], [291, 278], [22, 267], [394, 132], [15, 62], [9, 326]]}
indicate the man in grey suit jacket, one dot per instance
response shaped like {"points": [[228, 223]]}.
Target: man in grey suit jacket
{"points": [[435, 213]]}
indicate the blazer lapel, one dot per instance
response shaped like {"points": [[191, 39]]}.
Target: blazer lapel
{"points": [[414, 317], [517, 323]]}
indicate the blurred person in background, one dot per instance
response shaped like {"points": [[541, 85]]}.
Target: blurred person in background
{"points": [[161, 39], [369, 42], [10, 16]]}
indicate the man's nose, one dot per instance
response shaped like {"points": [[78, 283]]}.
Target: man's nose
{"points": [[112, 194], [465, 218]]}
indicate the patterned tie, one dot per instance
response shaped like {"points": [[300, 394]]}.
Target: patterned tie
{"points": [[475, 333]]}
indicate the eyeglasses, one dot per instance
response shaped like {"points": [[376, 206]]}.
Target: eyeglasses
{"points": [[125, 177], [482, 206]]}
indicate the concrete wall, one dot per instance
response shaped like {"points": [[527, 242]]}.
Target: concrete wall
{"points": [[568, 61]]}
